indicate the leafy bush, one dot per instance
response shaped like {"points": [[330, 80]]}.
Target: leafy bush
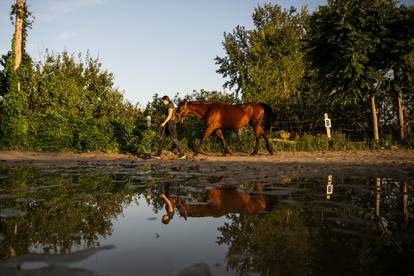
{"points": [[149, 141], [50, 131], [69, 103], [94, 135]]}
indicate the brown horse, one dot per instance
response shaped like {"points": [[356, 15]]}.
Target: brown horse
{"points": [[218, 116]]}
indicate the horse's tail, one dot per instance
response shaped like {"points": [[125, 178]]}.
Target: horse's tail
{"points": [[269, 116]]}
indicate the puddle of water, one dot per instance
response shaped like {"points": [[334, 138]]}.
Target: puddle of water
{"points": [[10, 213], [83, 221]]}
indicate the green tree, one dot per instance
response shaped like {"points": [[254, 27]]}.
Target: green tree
{"points": [[352, 45], [401, 45], [76, 106], [16, 80], [265, 64]]}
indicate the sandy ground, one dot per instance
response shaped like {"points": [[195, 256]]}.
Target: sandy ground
{"points": [[379, 163]]}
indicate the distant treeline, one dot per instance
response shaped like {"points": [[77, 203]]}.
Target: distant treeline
{"points": [[351, 59]]}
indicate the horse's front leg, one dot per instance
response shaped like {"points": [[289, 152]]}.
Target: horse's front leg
{"points": [[225, 148], [207, 133]]}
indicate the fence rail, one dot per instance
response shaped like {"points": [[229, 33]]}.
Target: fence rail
{"points": [[352, 128]]}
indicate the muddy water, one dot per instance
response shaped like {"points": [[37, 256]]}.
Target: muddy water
{"points": [[132, 220]]}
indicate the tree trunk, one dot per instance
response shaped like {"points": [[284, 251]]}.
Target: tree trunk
{"points": [[378, 197], [374, 118], [17, 47], [405, 201], [401, 123]]}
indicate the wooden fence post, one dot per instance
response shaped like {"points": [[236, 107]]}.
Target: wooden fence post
{"points": [[328, 126], [374, 118], [401, 123]]}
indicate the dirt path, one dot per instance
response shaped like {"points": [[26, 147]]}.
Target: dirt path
{"points": [[382, 163]]}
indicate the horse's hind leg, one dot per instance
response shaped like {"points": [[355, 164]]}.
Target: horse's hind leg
{"points": [[259, 132], [220, 135], [256, 147], [268, 145]]}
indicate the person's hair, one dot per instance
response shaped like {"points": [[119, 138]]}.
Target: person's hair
{"points": [[166, 98], [165, 219]]}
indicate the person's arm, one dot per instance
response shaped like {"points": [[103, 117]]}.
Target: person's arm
{"points": [[170, 114], [170, 207]]}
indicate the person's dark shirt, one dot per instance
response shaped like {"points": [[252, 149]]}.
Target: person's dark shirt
{"points": [[171, 105]]}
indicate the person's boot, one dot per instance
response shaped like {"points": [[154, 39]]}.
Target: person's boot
{"points": [[156, 156], [182, 156]]}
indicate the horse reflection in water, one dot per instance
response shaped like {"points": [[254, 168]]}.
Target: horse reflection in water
{"points": [[220, 201]]}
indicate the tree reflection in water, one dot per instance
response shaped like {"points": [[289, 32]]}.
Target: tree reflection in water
{"points": [[341, 235], [323, 226], [276, 243], [64, 212]]}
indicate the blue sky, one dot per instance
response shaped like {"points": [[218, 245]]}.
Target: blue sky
{"points": [[151, 46]]}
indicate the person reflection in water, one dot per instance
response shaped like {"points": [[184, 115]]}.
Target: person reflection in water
{"points": [[170, 203], [169, 207], [220, 201]]}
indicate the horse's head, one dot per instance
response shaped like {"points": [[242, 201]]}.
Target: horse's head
{"points": [[182, 110]]}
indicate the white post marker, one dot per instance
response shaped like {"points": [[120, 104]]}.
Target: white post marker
{"points": [[148, 121], [328, 126], [329, 188]]}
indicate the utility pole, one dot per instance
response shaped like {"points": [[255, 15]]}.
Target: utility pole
{"points": [[18, 34]]}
